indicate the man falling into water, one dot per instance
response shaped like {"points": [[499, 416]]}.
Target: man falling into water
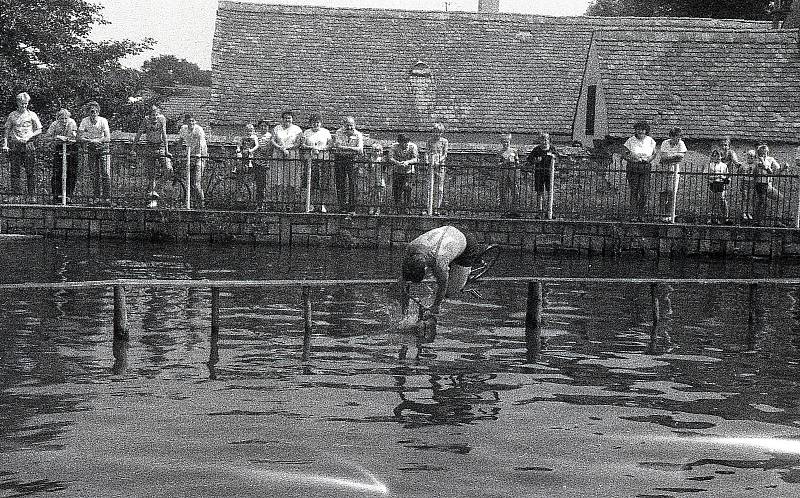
{"points": [[446, 252]]}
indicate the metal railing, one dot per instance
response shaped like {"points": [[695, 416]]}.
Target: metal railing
{"points": [[589, 189], [535, 303]]}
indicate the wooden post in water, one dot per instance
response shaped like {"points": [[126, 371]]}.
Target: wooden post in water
{"points": [[120, 314], [656, 317], [214, 311], [751, 317], [533, 322], [306, 323]]}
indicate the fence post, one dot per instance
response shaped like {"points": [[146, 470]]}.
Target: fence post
{"points": [[188, 177], [64, 174], [430, 189], [308, 180], [120, 314], [533, 322], [674, 193], [306, 323], [797, 214], [213, 353], [552, 173]]}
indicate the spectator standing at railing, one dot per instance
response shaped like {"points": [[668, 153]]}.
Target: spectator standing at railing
{"points": [[508, 176], [22, 126], [718, 181], [765, 167], [436, 155], [248, 145], [156, 150], [377, 189], [63, 131], [541, 160], [314, 144], [730, 158], [348, 144], [746, 183], [95, 135], [193, 138], [285, 165], [640, 150], [403, 156], [673, 150]]}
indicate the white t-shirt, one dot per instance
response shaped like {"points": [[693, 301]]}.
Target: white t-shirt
{"points": [[717, 171], [317, 139], [641, 149], [668, 149], [196, 139], [286, 137], [22, 125], [94, 131]]}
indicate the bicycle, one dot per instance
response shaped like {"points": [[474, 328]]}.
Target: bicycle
{"points": [[484, 262]]}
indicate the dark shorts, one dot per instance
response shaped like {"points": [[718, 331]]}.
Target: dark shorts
{"points": [[717, 186], [541, 180], [471, 252]]}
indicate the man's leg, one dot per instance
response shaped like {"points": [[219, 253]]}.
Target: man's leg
{"points": [[457, 279], [72, 172], [16, 158], [55, 178], [196, 177], [104, 162], [30, 169], [352, 178], [340, 180]]}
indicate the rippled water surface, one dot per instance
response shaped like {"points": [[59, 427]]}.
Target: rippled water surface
{"points": [[708, 408]]}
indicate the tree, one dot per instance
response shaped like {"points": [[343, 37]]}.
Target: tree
{"points": [[169, 71], [717, 9], [45, 51]]}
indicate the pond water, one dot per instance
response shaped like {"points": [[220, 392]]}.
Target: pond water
{"points": [[710, 408]]}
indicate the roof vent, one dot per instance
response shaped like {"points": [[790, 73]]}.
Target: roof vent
{"points": [[524, 36], [420, 69]]}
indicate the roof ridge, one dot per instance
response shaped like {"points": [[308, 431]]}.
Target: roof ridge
{"points": [[235, 5]]}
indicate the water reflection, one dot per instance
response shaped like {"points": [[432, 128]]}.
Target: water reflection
{"points": [[700, 367]]}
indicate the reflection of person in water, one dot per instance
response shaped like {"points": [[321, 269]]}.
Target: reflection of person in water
{"points": [[448, 253], [457, 399]]}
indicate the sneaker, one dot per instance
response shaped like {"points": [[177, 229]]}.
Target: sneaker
{"points": [[322, 208], [152, 204]]}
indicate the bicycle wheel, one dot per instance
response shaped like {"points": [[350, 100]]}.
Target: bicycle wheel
{"points": [[486, 261]]}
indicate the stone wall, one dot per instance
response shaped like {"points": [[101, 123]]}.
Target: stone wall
{"points": [[288, 229]]}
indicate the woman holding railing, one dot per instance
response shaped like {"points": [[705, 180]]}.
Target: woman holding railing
{"points": [[286, 170]]}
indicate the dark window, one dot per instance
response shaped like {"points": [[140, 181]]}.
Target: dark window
{"points": [[591, 102]]}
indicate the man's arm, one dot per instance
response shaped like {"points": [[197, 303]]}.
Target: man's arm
{"points": [[37, 126], [442, 275], [415, 155], [7, 133], [106, 138], [163, 122]]}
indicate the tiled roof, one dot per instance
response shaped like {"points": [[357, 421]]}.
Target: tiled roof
{"points": [[711, 84], [192, 99], [489, 72]]}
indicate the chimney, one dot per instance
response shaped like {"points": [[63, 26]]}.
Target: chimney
{"points": [[488, 6]]}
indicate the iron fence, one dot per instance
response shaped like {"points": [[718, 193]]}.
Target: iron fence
{"points": [[591, 188]]}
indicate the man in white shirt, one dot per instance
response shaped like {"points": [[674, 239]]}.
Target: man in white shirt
{"points": [[22, 126], [640, 150], [95, 135], [314, 144], [673, 151], [193, 139], [62, 135], [348, 143]]}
